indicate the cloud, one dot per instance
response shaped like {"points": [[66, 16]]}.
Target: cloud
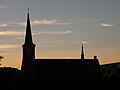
{"points": [[44, 22], [7, 46], [84, 42], [56, 33], [11, 33], [2, 7], [79, 42], [106, 25], [17, 33], [3, 25], [50, 22], [19, 23]]}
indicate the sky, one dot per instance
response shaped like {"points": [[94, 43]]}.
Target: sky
{"points": [[59, 28]]}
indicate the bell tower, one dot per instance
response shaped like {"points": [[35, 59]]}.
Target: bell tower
{"points": [[28, 59]]}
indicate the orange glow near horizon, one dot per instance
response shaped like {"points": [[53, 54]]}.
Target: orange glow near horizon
{"points": [[104, 56]]}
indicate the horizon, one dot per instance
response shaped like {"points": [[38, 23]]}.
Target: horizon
{"points": [[59, 28]]}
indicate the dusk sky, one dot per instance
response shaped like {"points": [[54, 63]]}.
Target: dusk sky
{"points": [[59, 27]]}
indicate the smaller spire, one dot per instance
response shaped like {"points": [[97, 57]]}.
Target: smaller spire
{"points": [[82, 52]]}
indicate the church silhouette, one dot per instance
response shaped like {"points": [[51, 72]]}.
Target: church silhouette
{"points": [[55, 69]]}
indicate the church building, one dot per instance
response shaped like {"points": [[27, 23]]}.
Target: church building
{"points": [[55, 69]]}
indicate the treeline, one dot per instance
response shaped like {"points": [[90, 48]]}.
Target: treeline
{"points": [[9, 78], [111, 79], [9, 73]]}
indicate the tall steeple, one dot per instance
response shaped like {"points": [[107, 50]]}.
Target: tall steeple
{"points": [[28, 60], [82, 52]]}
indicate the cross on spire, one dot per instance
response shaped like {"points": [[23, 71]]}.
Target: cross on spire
{"points": [[28, 9]]}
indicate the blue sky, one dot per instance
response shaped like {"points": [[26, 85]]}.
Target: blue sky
{"points": [[59, 27]]}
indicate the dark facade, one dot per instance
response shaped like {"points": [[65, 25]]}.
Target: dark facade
{"points": [[67, 69], [55, 69]]}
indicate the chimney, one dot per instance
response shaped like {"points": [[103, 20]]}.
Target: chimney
{"points": [[95, 57]]}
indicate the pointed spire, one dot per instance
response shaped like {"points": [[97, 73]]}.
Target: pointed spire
{"points": [[82, 52], [28, 37]]}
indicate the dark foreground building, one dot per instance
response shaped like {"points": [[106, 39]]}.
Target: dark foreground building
{"points": [[55, 69]]}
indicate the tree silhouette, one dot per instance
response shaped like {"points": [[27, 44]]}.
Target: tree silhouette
{"points": [[1, 57]]}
